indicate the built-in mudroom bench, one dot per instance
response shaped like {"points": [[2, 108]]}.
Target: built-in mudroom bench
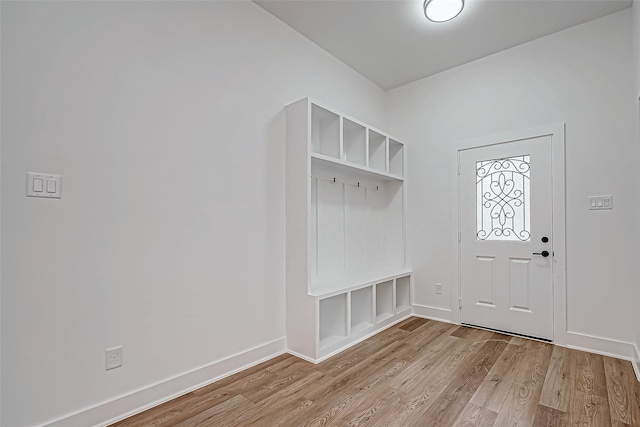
{"points": [[346, 277]]}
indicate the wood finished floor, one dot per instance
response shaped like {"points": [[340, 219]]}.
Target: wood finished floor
{"points": [[418, 373]]}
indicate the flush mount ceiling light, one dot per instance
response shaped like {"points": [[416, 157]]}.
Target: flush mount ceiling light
{"points": [[442, 10]]}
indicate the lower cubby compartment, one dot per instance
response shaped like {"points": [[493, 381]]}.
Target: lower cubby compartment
{"points": [[403, 293], [384, 300], [356, 336], [361, 309], [333, 319], [349, 315]]}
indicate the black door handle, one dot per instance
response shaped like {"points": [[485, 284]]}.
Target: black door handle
{"points": [[543, 253]]}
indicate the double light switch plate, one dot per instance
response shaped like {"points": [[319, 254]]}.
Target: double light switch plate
{"points": [[44, 185]]}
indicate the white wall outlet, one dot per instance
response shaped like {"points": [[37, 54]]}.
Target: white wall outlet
{"points": [[438, 288], [113, 357], [44, 185]]}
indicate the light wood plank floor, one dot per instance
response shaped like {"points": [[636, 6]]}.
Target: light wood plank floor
{"points": [[418, 373]]}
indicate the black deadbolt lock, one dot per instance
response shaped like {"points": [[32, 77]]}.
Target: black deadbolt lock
{"points": [[545, 239]]}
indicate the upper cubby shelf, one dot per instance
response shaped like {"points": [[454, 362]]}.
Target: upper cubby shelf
{"points": [[354, 140], [354, 146], [396, 157], [325, 132], [377, 151], [353, 169]]}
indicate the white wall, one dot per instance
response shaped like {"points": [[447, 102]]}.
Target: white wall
{"points": [[580, 76], [636, 44], [166, 120], [636, 95]]}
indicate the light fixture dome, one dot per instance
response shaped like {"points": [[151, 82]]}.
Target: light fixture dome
{"points": [[442, 10]]}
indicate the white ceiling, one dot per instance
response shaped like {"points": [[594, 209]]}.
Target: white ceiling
{"points": [[392, 43]]}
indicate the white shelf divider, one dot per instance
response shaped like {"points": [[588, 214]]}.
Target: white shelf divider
{"points": [[352, 168], [324, 290]]}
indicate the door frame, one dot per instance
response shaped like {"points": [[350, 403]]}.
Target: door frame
{"points": [[557, 133]]}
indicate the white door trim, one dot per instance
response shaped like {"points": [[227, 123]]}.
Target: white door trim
{"points": [[557, 133]]}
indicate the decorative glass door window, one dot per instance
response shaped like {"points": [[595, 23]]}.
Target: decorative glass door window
{"points": [[503, 199]]}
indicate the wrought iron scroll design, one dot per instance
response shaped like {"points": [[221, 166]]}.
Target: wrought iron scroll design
{"points": [[503, 199]]}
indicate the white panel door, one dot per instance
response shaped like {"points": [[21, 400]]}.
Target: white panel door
{"points": [[506, 242]]}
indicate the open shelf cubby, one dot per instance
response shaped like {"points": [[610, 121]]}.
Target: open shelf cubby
{"points": [[377, 151], [384, 300], [361, 309], [325, 132], [354, 140], [333, 319], [403, 293], [396, 163]]}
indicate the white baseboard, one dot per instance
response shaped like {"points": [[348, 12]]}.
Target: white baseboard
{"points": [[600, 345], [300, 356], [433, 313], [636, 362], [145, 398]]}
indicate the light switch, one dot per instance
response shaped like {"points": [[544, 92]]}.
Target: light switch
{"points": [[600, 202], [36, 185]]}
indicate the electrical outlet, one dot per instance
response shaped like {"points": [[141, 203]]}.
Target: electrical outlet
{"points": [[113, 357], [438, 289]]}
